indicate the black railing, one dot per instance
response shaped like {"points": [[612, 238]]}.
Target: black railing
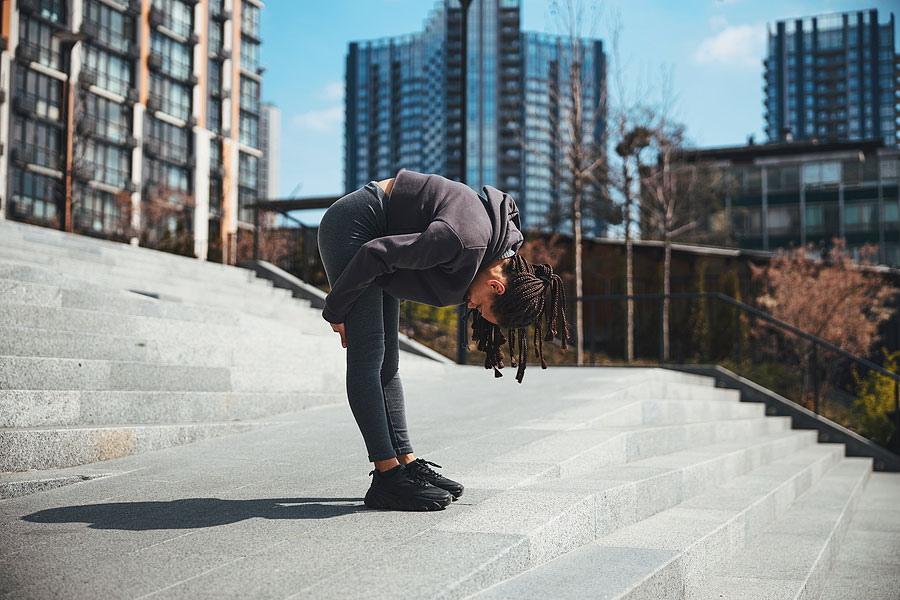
{"points": [[750, 346]]}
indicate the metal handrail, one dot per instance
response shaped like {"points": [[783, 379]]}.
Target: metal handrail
{"points": [[755, 312], [738, 334]]}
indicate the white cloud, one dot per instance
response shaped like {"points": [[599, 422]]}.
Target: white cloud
{"points": [[333, 91], [718, 22], [325, 120], [735, 46]]}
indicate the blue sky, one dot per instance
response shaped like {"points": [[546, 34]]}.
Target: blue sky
{"points": [[713, 49]]}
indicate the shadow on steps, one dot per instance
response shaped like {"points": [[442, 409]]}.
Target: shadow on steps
{"points": [[192, 513]]}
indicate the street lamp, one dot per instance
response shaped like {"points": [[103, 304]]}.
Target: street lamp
{"points": [[461, 335]]}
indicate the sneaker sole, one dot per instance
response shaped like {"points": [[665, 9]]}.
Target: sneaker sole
{"points": [[390, 502]]}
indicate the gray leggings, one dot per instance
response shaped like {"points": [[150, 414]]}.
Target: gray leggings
{"points": [[373, 350]]}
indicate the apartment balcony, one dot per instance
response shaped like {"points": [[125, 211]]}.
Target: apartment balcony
{"points": [[157, 18], [87, 78], [220, 15], [25, 105], [37, 155], [29, 6], [28, 52]]}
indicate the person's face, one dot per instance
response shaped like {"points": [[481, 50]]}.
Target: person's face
{"points": [[484, 288]]}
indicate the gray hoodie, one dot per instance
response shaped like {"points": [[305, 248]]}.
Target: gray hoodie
{"points": [[440, 233]]}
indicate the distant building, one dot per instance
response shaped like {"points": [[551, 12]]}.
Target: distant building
{"points": [[793, 194], [269, 140], [832, 77], [164, 120], [404, 107]]}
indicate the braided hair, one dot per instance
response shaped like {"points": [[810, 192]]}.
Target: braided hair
{"points": [[524, 303]]}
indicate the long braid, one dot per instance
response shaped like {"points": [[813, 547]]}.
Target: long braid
{"points": [[523, 304]]}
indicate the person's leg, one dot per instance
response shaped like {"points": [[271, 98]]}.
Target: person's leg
{"points": [[365, 356], [346, 226], [394, 404]]}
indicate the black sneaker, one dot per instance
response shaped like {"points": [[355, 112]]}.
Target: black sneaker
{"points": [[400, 489], [420, 467]]}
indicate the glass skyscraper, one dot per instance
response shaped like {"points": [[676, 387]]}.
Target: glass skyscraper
{"points": [[832, 77], [404, 106]]}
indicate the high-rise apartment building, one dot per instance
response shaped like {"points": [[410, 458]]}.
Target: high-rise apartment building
{"points": [[269, 138], [132, 118], [832, 77], [404, 107]]}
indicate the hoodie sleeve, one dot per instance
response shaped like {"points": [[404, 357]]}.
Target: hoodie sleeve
{"points": [[437, 245]]}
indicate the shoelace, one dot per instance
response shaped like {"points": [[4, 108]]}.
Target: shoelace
{"points": [[423, 465], [413, 475]]}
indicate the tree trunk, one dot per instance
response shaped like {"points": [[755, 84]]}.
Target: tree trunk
{"points": [[667, 273], [579, 288], [629, 273]]}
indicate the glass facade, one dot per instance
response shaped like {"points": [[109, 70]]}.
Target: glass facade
{"points": [[404, 105], [803, 193], [831, 77]]}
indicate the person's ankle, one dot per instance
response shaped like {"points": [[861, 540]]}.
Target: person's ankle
{"points": [[405, 459], [386, 465]]}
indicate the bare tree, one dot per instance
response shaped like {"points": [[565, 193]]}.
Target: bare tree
{"points": [[676, 196], [575, 157]]}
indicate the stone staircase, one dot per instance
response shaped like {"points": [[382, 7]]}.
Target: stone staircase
{"points": [[108, 349], [580, 483]]}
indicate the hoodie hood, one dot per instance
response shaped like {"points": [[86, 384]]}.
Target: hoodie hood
{"points": [[506, 232]]}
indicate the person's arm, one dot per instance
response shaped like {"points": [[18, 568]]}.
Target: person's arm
{"points": [[436, 245]]}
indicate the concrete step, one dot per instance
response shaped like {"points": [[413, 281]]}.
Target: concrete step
{"points": [[13, 485], [41, 448], [23, 341], [135, 274], [31, 373], [74, 374], [244, 296], [110, 253], [793, 556], [123, 302], [125, 325], [868, 562], [53, 408], [665, 554]]}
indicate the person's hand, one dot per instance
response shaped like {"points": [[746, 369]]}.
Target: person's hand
{"points": [[339, 328]]}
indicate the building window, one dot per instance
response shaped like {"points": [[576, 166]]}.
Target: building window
{"points": [[215, 37], [815, 218], [114, 29], [784, 220], [248, 176], [173, 181], [98, 211], [45, 91], [107, 118], [250, 19], [38, 143], [862, 216], [214, 77], [176, 57], [173, 98], [34, 196], [214, 115], [249, 94], [249, 56], [110, 164], [112, 72], [746, 221], [37, 37], [216, 8], [215, 155], [52, 10], [177, 16], [821, 173], [249, 134], [174, 142]]}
